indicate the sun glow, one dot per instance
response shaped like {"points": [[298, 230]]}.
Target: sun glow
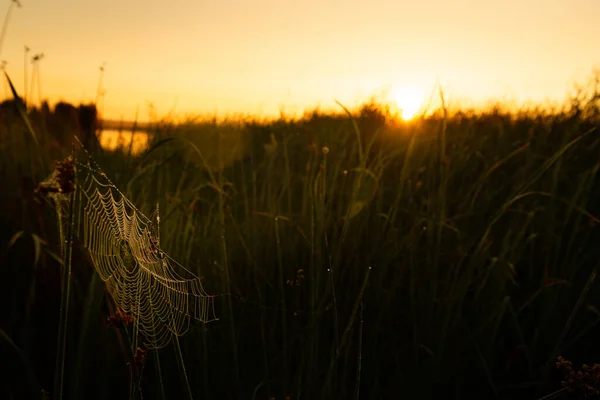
{"points": [[409, 100]]}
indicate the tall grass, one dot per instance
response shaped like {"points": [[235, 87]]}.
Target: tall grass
{"points": [[355, 257]]}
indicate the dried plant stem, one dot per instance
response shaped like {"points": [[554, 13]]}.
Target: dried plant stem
{"points": [[66, 242]]}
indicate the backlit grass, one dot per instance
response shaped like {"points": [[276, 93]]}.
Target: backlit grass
{"points": [[352, 256]]}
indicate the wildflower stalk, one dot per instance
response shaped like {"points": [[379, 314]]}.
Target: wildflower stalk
{"points": [[67, 242], [25, 53], [6, 19], [60, 184]]}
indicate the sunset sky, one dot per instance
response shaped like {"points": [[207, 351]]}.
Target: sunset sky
{"points": [[255, 56]]}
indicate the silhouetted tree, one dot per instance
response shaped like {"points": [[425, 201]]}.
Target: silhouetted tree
{"points": [[88, 123], [63, 122], [45, 108], [9, 112], [68, 120]]}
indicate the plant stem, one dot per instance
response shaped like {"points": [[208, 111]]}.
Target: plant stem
{"points": [[64, 307]]}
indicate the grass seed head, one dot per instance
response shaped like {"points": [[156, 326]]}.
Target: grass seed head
{"points": [[62, 179]]}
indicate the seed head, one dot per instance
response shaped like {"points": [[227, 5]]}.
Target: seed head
{"points": [[62, 179]]}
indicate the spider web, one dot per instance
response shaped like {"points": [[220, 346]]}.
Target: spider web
{"points": [[160, 295]]}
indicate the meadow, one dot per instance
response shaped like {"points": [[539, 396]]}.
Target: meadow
{"points": [[350, 255]]}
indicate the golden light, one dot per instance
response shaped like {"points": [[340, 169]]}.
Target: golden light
{"points": [[409, 100]]}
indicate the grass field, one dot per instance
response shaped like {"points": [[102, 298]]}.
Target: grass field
{"points": [[350, 256]]}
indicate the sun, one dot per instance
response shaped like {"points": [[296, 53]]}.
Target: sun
{"points": [[409, 100]]}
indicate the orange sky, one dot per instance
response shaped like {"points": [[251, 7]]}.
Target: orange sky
{"points": [[254, 56]]}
